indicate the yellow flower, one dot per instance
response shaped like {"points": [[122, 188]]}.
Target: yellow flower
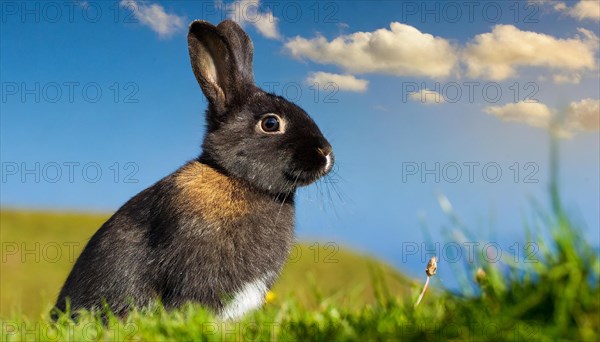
{"points": [[480, 276], [270, 297]]}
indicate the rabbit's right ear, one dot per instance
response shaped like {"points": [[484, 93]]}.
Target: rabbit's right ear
{"points": [[241, 46], [213, 64]]}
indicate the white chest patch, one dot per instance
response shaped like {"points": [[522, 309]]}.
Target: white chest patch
{"points": [[251, 296]]}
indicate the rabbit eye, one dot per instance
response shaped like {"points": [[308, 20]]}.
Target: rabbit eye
{"points": [[270, 124]]}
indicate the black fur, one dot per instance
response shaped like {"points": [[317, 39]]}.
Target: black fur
{"points": [[167, 244]]}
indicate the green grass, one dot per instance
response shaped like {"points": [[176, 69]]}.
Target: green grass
{"points": [[37, 255], [353, 298]]}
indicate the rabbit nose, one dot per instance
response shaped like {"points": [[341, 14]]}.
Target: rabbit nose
{"points": [[327, 152]]}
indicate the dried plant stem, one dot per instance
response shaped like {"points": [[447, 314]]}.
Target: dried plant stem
{"points": [[423, 292], [430, 270]]}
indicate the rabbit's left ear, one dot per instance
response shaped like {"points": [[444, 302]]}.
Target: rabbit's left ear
{"points": [[218, 69]]}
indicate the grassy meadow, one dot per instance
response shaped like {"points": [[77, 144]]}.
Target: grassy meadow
{"points": [[330, 295]]}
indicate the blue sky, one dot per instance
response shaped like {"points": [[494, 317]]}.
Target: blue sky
{"points": [[107, 86]]}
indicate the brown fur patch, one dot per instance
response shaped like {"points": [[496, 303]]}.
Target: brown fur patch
{"points": [[216, 197]]}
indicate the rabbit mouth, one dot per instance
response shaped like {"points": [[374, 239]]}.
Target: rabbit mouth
{"points": [[305, 177], [302, 178]]}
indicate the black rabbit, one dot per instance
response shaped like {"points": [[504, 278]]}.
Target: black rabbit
{"points": [[218, 230]]}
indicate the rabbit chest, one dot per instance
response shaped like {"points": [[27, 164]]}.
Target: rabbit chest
{"points": [[232, 241]]}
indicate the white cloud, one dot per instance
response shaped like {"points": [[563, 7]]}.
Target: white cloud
{"points": [[583, 115], [532, 113], [566, 78], [496, 55], [402, 51], [579, 116], [583, 10], [155, 17], [381, 108], [427, 96], [249, 12], [343, 82], [560, 6]]}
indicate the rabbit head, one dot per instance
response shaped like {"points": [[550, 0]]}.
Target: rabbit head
{"points": [[251, 134]]}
